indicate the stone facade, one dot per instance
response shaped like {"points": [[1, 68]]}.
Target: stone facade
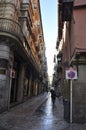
{"points": [[22, 52]]}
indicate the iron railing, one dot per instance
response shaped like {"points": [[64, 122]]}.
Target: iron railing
{"points": [[10, 26]]}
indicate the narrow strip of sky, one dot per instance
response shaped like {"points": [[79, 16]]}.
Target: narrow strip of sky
{"points": [[49, 21]]}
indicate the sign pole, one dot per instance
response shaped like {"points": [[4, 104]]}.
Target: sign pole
{"points": [[71, 101], [71, 74]]}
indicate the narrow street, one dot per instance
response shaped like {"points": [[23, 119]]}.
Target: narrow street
{"points": [[48, 117], [31, 116]]}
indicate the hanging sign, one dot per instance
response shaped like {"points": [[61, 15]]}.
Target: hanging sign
{"points": [[12, 74]]}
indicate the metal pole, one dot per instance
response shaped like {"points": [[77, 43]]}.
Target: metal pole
{"points": [[71, 101]]}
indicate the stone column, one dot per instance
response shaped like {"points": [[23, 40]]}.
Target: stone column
{"points": [[30, 82], [4, 76], [21, 83]]}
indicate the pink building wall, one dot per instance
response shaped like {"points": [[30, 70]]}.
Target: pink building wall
{"points": [[75, 37], [78, 29], [79, 2], [74, 41]]}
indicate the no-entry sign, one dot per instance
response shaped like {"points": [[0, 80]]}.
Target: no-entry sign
{"points": [[71, 73]]}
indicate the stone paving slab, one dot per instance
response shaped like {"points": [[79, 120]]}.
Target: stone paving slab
{"points": [[21, 117], [75, 126], [20, 114]]}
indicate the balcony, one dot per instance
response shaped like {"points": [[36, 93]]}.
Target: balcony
{"points": [[27, 11], [34, 34], [10, 9], [67, 7], [10, 28], [39, 54], [37, 46]]}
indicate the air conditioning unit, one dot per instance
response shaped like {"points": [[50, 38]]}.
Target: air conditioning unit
{"points": [[38, 23], [40, 36]]}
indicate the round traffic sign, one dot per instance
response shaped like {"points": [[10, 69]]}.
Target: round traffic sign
{"points": [[71, 74]]}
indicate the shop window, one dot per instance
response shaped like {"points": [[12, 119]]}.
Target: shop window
{"points": [[2, 71]]}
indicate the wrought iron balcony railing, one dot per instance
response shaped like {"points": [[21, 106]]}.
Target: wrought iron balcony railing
{"points": [[11, 27]]}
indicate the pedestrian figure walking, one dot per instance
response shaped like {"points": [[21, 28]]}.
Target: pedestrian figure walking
{"points": [[53, 95]]}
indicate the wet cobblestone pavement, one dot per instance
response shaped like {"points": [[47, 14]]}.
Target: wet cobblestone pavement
{"points": [[49, 117], [29, 116]]}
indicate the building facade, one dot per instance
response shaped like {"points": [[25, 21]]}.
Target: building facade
{"points": [[22, 52], [72, 52]]}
